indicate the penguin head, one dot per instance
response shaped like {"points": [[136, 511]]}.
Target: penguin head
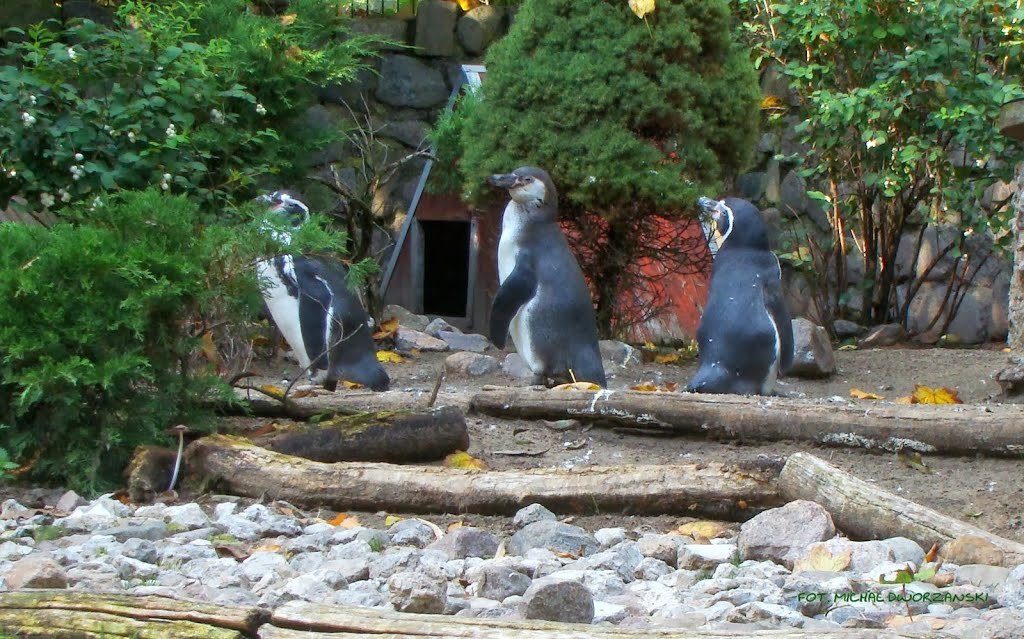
{"points": [[528, 185], [736, 221], [287, 205]]}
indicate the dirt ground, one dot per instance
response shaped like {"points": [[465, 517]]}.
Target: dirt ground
{"points": [[988, 492]]}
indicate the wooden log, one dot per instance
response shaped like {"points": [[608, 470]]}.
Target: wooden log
{"points": [[303, 620], [865, 512], [74, 615], [237, 466], [348, 402], [948, 429], [391, 436]]}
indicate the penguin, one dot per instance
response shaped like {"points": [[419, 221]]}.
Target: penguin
{"points": [[320, 318], [542, 299], [745, 335]]}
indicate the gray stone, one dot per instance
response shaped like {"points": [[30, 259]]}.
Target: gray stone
{"points": [[35, 572], [411, 133], [846, 328], [662, 547], [559, 600], [1011, 593], [651, 569], [479, 27], [767, 143], [189, 516], [304, 562], [530, 514], [773, 183], [697, 556], [609, 537], [174, 554], [618, 353], [884, 335], [801, 590], [420, 591], [68, 502], [26, 13], [497, 580], [405, 318], [352, 93], [554, 536], [389, 28], [129, 569], [437, 325], [467, 542], [393, 560], [11, 509], [904, 549], [10, 551], [326, 119], [351, 569], [751, 186], [408, 339], [761, 611], [411, 532], [266, 565], [515, 367], [141, 549], [989, 578], [622, 559], [472, 342], [150, 529], [374, 538], [612, 613], [971, 324], [782, 534], [87, 10], [465, 364], [812, 351], [1000, 307], [793, 194], [435, 27]]}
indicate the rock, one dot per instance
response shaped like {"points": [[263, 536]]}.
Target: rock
{"points": [[989, 578], [971, 549], [142, 550], [515, 367], [420, 591], [555, 536], [971, 324], [608, 537], [29, 12], [467, 542], [10, 551], [812, 351], [408, 339], [760, 611], [552, 599], [1000, 307], [87, 10], [864, 555], [268, 566], [651, 569], [497, 580], [405, 318], [471, 342], [801, 590], [351, 93], [697, 556], [388, 28], [1011, 592], [773, 182], [618, 353], [884, 335], [479, 27], [530, 514], [437, 325], [11, 509], [662, 547], [68, 502], [751, 186], [129, 569], [35, 572], [411, 532], [622, 559], [214, 573], [150, 529], [846, 328], [464, 364], [411, 133], [435, 28], [904, 549], [783, 534], [189, 516]]}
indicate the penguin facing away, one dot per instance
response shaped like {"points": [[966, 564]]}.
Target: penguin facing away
{"points": [[319, 317], [746, 332], [543, 301]]}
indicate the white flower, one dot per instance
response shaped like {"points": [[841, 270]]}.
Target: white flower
{"points": [[46, 200], [28, 118], [165, 182], [106, 127], [167, 176], [12, 173], [216, 116], [171, 131], [131, 136], [76, 172], [591, 179], [872, 143], [32, 100], [260, 109], [79, 157], [72, 54], [65, 196]]}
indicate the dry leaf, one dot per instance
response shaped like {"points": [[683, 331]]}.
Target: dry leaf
{"points": [[467, 5], [566, 555], [386, 329], [905, 400], [391, 520], [122, 496], [350, 522], [288, 18], [455, 525], [771, 102], [646, 387], [500, 552], [847, 347], [670, 387], [914, 460], [351, 385], [742, 504], [293, 53], [463, 460], [703, 529], [274, 391], [943, 580], [560, 424], [932, 553], [641, 7], [857, 393], [337, 521], [210, 349], [821, 559], [235, 551], [667, 358], [583, 386], [266, 548], [389, 356], [927, 395]]}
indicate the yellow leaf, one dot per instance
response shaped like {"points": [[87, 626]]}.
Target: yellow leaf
{"points": [[821, 559], [702, 529], [288, 19], [927, 395], [352, 385], [771, 102], [462, 459], [338, 520], [649, 345], [266, 548], [389, 356], [500, 552], [641, 7], [847, 347], [932, 553], [583, 386], [646, 387], [293, 53], [350, 522], [467, 5], [386, 329], [905, 400], [455, 525], [391, 520], [857, 393], [274, 391], [667, 358]]}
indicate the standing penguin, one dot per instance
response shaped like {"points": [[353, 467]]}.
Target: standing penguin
{"points": [[542, 300], [745, 334], [320, 318]]}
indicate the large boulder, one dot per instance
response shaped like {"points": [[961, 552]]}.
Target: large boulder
{"points": [[479, 27], [435, 27], [407, 82], [812, 351]]}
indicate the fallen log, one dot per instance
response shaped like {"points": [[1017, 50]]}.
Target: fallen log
{"points": [[946, 429], [391, 436], [302, 620], [237, 466], [347, 402], [80, 615], [865, 512]]}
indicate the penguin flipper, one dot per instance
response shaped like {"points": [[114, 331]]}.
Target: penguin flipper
{"points": [[776, 304], [315, 300], [517, 289]]}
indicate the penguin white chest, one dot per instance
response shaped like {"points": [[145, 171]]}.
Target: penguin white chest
{"points": [[508, 252], [284, 308]]}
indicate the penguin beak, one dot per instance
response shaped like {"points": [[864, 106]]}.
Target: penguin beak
{"points": [[508, 181], [711, 208]]}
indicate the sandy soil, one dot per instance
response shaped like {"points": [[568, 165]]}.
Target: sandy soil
{"points": [[986, 491]]}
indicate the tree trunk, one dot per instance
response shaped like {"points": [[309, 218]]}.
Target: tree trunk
{"points": [[237, 466], [863, 511], [349, 402], [995, 430], [80, 615]]}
